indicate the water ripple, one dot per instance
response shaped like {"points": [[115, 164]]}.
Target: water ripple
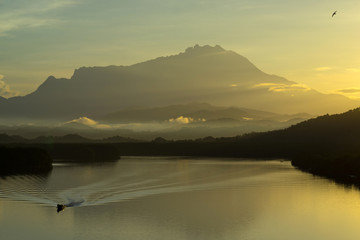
{"points": [[126, 182]]}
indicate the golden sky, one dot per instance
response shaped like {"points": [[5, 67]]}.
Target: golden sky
{"points": [[298, 40]]}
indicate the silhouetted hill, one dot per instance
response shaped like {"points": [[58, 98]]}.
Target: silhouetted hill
{"points": [[118, 139], [69, 138], [200, 74], [4, 138], [66, 139], [337, 130], [328, 145]]}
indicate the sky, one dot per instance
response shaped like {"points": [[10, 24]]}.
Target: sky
{"points": [[298, 40]]}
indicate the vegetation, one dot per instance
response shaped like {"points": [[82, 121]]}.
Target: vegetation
{"points": [[328, 145], [38, 158], [76, 152], [24, 160]]}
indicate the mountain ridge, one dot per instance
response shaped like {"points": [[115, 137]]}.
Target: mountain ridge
{"points": [[196, 111], [200, 74]]}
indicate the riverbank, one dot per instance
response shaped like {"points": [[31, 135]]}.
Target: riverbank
{"points": [[20, 160], [38, 158]]}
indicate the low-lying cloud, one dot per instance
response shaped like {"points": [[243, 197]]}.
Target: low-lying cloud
{"points": [[186, 120], [89, 122], [275, 87]]}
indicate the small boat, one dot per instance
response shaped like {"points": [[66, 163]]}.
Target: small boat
{"points": [[60, 207]]}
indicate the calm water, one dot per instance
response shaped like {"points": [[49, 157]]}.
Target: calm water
{"points": [[160, 198]]}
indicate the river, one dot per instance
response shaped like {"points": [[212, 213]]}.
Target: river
{"points": [[178, 198]]}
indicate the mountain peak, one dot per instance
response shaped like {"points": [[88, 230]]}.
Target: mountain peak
{"points": [[199, 74]]}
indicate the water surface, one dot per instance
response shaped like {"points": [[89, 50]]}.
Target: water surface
{"points": [[178, 198]]}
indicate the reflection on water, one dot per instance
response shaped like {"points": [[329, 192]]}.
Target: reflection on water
{"points": [[77, 185], [158, 198]]}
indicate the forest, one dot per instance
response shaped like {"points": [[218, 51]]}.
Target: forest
{"points": [[328, 145]]}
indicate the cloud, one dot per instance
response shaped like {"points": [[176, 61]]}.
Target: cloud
{"points": [[24, 22], [322, 69], [354, 70], [5, 90], [275, 87], [88, 122], [186, 120], [181, 119], [57, 4], [84, 120], [349, 90], [31, 14]]}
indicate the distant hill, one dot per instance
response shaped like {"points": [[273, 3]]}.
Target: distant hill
{"points": [[197, 111], [4, 138], [183, 121], [69, 138], [326, 131], [200, 74], [328, 145]]}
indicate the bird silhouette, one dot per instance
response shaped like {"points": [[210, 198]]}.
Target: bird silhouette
{"points": [[333, 14]]}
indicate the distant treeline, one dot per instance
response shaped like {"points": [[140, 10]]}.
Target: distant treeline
{"points": [[17, 160], [69, 138], [326, 145], [76, 152], [38, 158]]}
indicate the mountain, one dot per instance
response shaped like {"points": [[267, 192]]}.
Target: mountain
{"points": [[69, 138], [4, 138], [327, 130], [198, 112], [200, 74], [327, 145]]}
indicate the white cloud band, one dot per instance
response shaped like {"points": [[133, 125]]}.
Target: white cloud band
{"points": [[276, 87]]}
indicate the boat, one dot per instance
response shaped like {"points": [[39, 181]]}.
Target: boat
{"points": [[60, 207]]}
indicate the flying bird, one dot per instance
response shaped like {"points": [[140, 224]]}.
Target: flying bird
{"points": [[333, 14]]}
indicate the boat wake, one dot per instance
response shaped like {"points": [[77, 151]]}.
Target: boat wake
{"points": [[118, 187]]}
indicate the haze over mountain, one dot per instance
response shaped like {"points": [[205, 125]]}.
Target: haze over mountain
{"points": [[197, 112], [200, 74], [188, 121]]}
